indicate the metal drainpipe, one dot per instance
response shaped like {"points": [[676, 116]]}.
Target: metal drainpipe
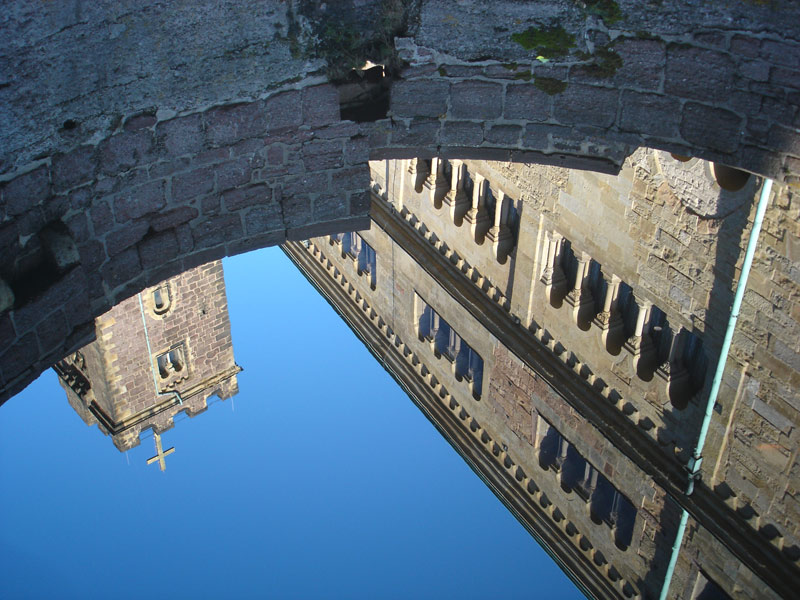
{"points": [[150, 357], [693, 467]]}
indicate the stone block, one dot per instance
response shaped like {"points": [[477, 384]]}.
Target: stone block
{"points": [[158, 248], [356, 150], [125, 237], [125, 151], [173, 218], [282, 111], [234, 173], [709, 127], [526, 102], [504, 135], [18, 356], [745, 46], [420, 132], [350, 179], [73, 168], [587, 105], [784, 139], [476, 100], [320, 105], [686, 66], [322, 154], [121, 269], [25, 191], [656, 114], [420, 98], [139, 201], [642, 63], [229, 124], [247, 196], [330, 206], [263, 218], [217, 230], [51, 332], [537, 137], [461, 133], [296, 210], [92, 255], [781, 53], [102, 217], [181, 136], [192, 185], [360, 204]]}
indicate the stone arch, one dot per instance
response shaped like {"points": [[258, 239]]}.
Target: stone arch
{"points": [[152, 166]]}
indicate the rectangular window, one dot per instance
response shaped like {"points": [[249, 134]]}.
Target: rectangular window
{"points": [[447, 343], [354, 246]]}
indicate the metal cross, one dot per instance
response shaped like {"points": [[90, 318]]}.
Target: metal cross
{"points": [[160, 454]]}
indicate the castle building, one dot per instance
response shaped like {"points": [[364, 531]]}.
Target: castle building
{"points": [[561, 329], [163, 351]]}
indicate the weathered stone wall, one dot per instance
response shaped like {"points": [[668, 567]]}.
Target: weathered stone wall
{"points": [[715, 81], [141, 141], [161, 196]]}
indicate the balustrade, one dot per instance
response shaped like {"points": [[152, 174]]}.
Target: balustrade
{"points": [[624, 321]]}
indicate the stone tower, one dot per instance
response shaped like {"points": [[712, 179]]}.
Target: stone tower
{"points": [[165, 350]]}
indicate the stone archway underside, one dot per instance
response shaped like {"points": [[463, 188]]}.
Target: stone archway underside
{"points": [[140, 142]]}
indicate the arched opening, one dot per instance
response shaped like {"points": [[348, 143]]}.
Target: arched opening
{"points": [[728, 178]]}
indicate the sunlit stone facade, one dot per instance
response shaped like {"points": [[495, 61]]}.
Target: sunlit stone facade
{"points": [[596, 306]]}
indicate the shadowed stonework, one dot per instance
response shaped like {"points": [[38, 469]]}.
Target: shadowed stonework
{"points": [[142, 141]]}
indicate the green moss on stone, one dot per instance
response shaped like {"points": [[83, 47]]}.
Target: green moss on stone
{"points": [[512, 66], [549, 85], [548, 42], [607, 10], [606, 63], [524, 75], [442, 71]]}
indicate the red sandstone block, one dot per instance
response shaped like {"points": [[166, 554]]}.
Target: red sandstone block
{"points": [[25, 191], [158, 248], [125, 237], [234, 173], [125, 151], [139, 201], [181, 136], [173, 218], [685, 66], [320, 105], [248, 196], [283, 111], [709, 127], [73, 168], [264, 218], [217, 230], [330, 206], [356, 150], [320, 155], [229, 124], [296, 210], [192, 185], [350, 179]]}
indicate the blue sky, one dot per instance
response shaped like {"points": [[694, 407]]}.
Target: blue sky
{"points": [[321, 479]]}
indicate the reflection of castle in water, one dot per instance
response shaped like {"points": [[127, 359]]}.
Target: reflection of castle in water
{"points": [[163, 351], [560, 329]]}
